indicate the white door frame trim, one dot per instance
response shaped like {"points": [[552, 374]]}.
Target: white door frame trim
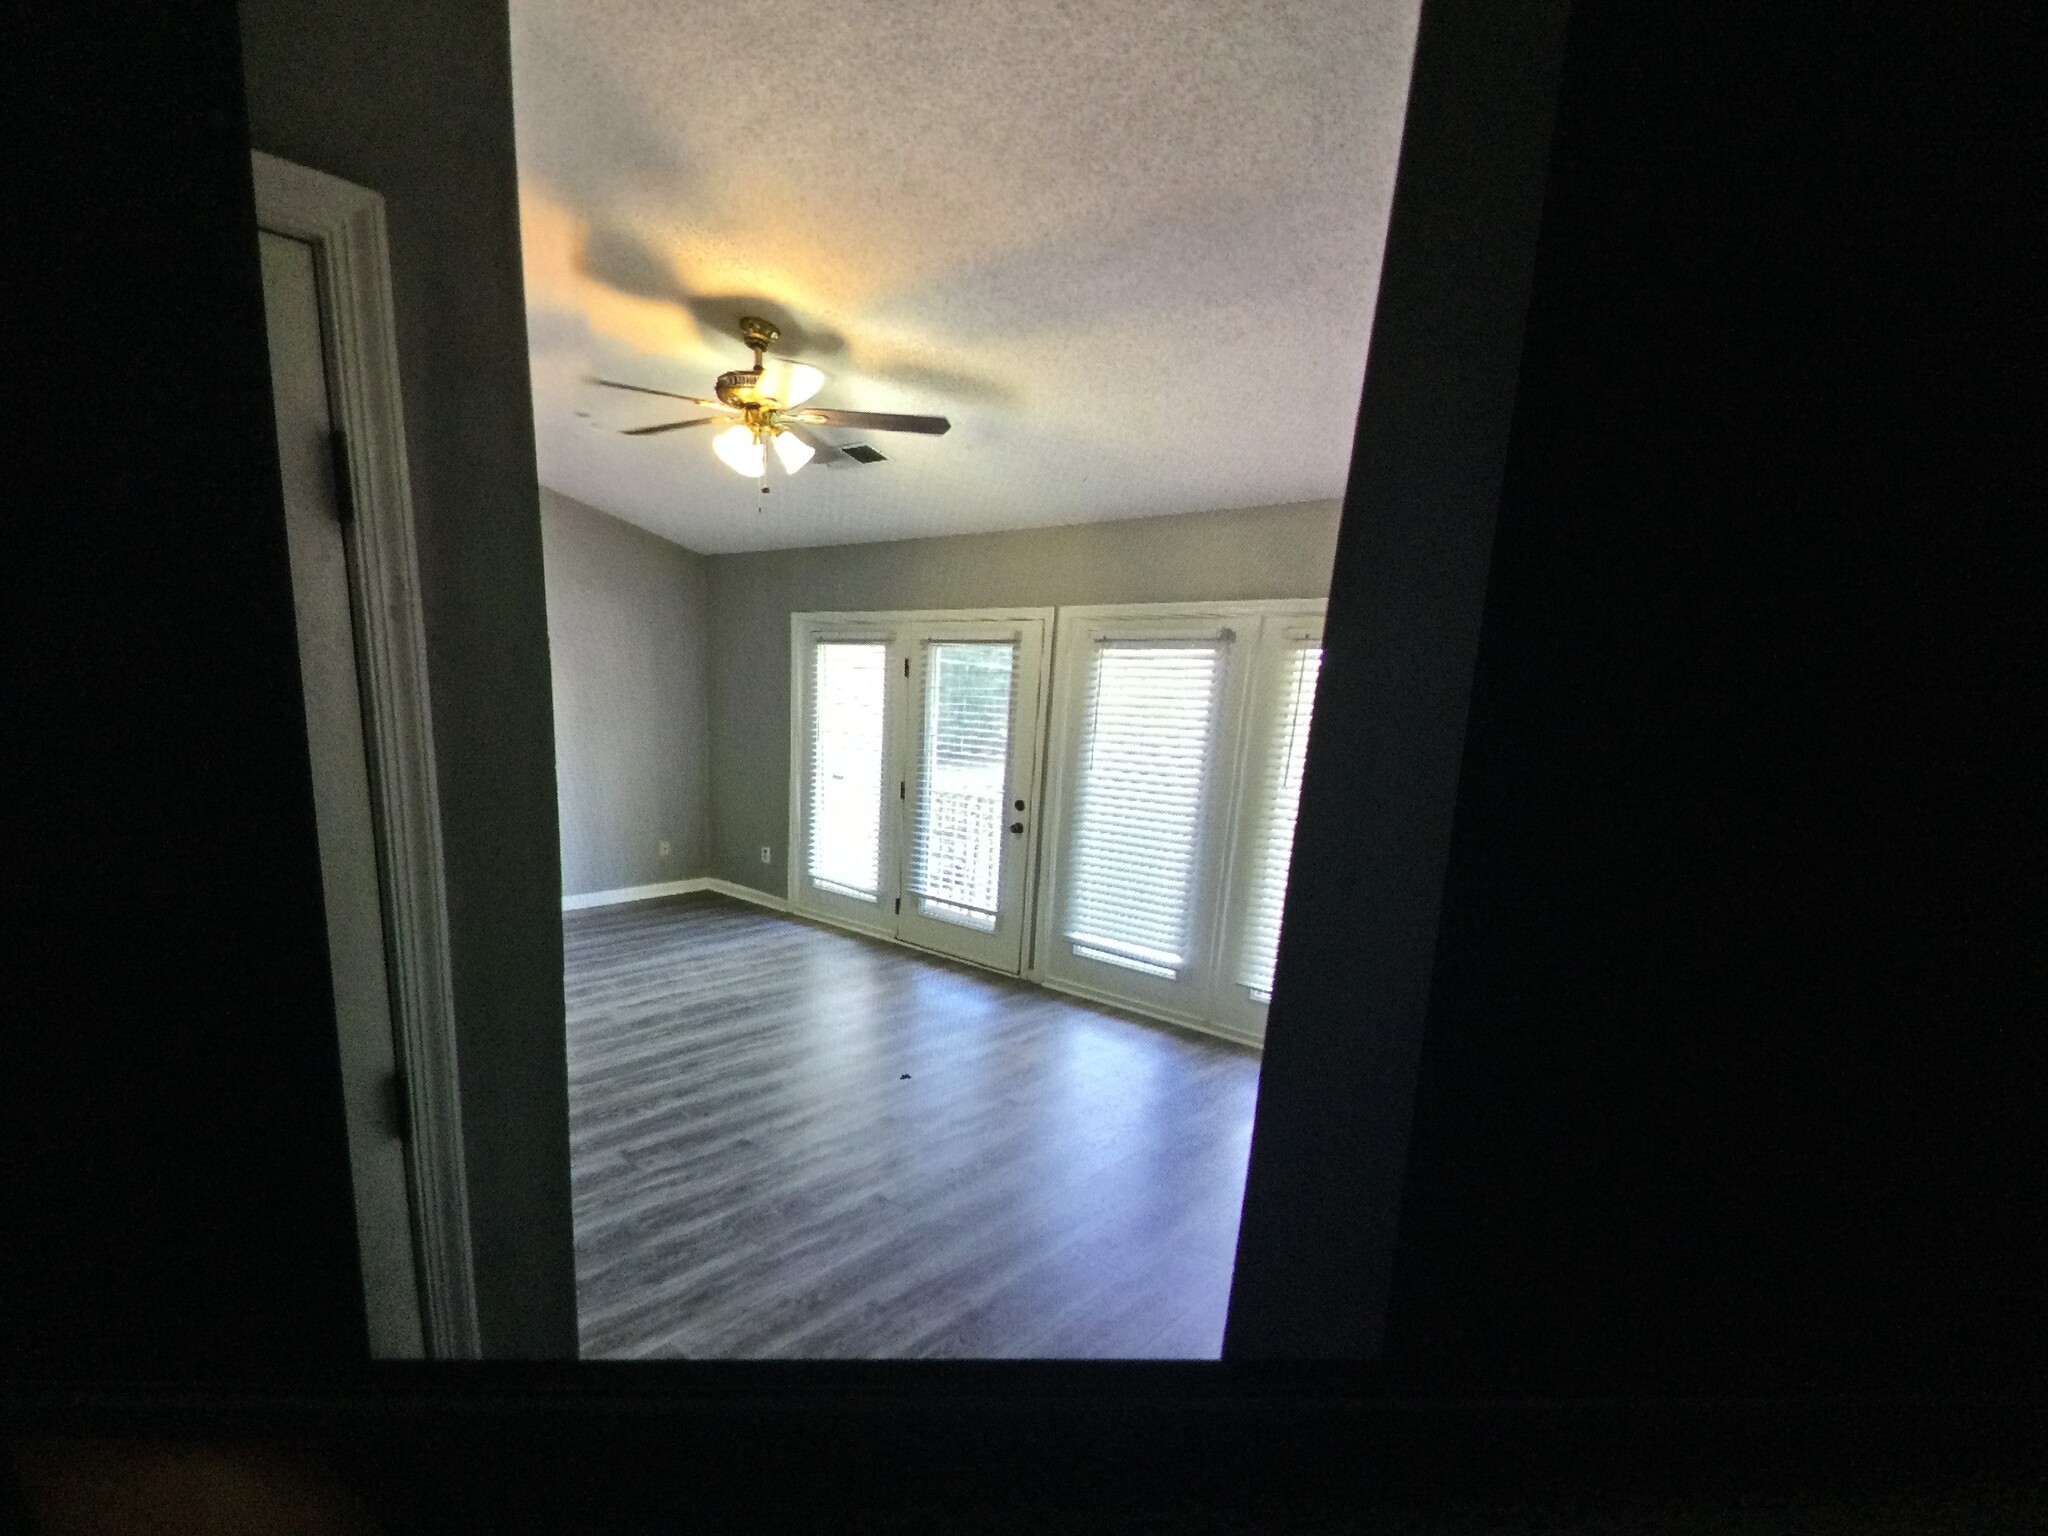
{"points": [[344, 224]]}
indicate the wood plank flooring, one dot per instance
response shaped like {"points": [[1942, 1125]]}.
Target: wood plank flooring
{"points": [[792, 1142]]}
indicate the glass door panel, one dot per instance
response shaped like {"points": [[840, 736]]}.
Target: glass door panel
{"points": [[846, 868], [1177, 744], [1143, 778], [1140, 804], [956, 852], [1287, 664], [967, 788]]}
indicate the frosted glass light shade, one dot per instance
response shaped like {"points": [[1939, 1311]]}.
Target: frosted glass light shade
{"points": [[741, 453], [788, 383], [793, 451]]}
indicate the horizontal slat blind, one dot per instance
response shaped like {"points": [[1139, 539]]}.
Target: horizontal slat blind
{"points": [[1273, 814], [1149, 733], [956, 855], [847, 734]]}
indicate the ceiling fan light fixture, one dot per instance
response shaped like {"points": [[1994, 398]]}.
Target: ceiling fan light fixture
{"points": [[765, 403], [788, 383], [793, 451], [740, 450]]}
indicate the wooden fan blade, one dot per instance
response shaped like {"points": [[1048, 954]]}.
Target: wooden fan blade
{"points": [[822, 452], [668, 426], [642, 389], [874, 421]]}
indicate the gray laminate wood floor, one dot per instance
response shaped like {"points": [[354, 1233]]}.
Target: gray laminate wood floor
{"points": [[788, 1141]]}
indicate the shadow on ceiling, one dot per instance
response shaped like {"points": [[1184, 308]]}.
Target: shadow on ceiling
{"points": [[622, 261]]}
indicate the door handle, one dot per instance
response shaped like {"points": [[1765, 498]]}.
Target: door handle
{"points": [[1016, 826]]}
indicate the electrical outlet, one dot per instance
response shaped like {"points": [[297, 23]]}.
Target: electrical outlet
{"points": [[767, 856]]}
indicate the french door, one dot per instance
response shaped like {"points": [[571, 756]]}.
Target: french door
{"points": [[1143, 780], [1153, 875], [967, 786], [915, 805], [1180, 734]]}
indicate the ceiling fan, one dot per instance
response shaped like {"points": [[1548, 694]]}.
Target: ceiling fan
{"points": [[764, 405]]}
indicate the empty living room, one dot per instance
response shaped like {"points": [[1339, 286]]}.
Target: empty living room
{"points": [[942, 438]]}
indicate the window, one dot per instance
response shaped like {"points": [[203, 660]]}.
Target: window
{"points": [[847, 766], [1275, 800], [1150, 731], [956, 854]]}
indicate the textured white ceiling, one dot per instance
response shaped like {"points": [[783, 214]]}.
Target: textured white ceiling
{"points": [[1129, 247]]}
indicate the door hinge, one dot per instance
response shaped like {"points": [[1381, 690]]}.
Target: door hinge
{"points": [[903, 789], [906, 666], [344, 482], [899, 906]]}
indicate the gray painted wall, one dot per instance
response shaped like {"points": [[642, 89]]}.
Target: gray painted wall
{"points": [[415, 102], [628, 640], [1261, 552]]}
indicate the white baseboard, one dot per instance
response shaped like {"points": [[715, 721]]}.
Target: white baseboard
{"points": [[1199, 1026], [747, 893], [635, 893], [673, 888]]}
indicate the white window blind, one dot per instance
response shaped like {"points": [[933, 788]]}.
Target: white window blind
{"points": [[1271, 846], [956, 856], [1150, 723], [847, 734]]}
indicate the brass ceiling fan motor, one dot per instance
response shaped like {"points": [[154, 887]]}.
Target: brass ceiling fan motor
{"points": [[740, 388]]}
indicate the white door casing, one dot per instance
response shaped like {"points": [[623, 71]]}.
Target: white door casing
{"points": [[341, 799], [339, 232]]}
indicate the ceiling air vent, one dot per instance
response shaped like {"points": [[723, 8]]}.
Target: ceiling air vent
{"points": [[863, 454]]}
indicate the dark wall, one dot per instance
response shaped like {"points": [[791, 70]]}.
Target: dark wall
{"points": [[172, 1155], [1734, 1065], [1406, 594], [415, 102], [1733, 1069]]}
